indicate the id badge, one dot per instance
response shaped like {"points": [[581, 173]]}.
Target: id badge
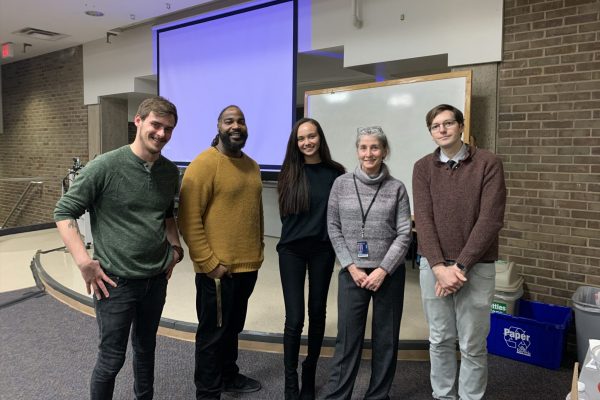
{"points": [[363, 249]]}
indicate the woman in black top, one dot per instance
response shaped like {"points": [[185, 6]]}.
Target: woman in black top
{"points": [[304, 184]]}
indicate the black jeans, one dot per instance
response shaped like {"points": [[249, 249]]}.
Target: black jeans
{"points": [[295, 259], [136, 303], [218, 329]]}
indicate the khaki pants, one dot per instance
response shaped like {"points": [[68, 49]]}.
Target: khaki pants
{"points": [[464, 315]]}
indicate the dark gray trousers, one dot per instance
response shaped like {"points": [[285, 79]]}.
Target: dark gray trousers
{"points": [[353, 306]]}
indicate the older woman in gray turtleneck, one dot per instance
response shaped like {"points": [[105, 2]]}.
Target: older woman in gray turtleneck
{"points": [[369, 226]]}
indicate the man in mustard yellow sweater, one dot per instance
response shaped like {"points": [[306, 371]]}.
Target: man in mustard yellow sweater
{"points": [[221, 220]]}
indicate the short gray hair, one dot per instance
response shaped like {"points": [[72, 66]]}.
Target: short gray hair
{"points": [[376, 131]]}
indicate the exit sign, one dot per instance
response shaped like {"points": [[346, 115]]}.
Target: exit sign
{"points": [[8, 50]]}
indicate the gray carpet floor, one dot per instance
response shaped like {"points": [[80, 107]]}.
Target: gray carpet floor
{"points": [[47, 351]]}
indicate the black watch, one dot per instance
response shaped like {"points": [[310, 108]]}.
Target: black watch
{"points": [[461, 267]]}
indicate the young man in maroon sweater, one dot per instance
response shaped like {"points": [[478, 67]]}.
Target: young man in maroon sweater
{"points": [[459, 197]]}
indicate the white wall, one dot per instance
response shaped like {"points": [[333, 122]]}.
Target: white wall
{"points": [[111, 68], [469, 31], [271, 209]]}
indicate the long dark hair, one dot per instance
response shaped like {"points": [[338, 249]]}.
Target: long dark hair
{"points": [[292, 185]]}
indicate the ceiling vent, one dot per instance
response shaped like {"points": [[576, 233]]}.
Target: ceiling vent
{"points": [[40, 34]]}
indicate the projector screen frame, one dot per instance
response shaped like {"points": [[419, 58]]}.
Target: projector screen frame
{"points": [[269, 172]]}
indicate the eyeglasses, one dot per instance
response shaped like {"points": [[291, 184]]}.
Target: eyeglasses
{"points": [[447, 124]]}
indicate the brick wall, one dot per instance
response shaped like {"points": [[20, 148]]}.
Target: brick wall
{"points": [[45, 126], [549, 140]]}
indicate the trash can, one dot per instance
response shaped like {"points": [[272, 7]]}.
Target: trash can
{"points": [[586, 303], [509, 289]]}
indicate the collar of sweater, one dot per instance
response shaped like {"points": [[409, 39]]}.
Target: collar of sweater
{"points": [[468, 156], [367, 180], [223, 155], [128, 151]]}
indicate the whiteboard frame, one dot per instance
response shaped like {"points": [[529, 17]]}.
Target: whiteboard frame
{"points": [[421, 137]]}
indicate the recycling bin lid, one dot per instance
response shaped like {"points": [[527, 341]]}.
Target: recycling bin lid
{"points": [[507, 278]]}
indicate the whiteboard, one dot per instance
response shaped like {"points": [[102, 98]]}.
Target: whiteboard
{"points": [[398, 106]]}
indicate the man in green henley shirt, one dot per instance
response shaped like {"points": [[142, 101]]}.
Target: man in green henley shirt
{"points": [[130, 194]]}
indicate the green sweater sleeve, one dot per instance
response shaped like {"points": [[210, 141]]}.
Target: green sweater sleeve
{"points": [[81, 194]]}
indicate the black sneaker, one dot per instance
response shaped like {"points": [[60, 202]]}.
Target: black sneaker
{"points": [[241, 384]]}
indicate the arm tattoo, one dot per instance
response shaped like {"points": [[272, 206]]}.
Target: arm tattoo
{"points": [[73, 225]]}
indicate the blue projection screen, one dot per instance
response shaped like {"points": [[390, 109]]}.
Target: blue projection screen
{"points": [[244, 57]]}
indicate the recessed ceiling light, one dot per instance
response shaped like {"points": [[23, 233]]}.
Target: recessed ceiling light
{"points": [[94, 13]]}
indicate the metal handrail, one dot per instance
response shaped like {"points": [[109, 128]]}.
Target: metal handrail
{"points": [[20, 201]]}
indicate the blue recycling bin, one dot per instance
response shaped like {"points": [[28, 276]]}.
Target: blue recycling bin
{"points": [[535, 336]]}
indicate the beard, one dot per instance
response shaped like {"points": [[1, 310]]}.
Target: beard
{"points": [[233, 147]]}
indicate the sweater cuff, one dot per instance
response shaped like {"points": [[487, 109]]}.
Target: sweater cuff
{"points": [[208, 265], [466, 261], [389, 269], [436, 261], [345, 263]]}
